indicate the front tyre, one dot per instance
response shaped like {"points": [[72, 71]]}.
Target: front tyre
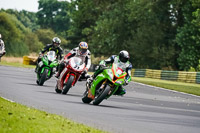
{"points": [[68, 85], [101, 96], [43, 77]]}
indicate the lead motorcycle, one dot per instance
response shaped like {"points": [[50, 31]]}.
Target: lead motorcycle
{"points": [[47, 67], [104, 85], [70, 74]]}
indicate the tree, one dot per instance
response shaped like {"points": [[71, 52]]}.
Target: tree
{"points": [[28, 19], [54, 14], [12, 35], [45, 36], [188, 36], [33, 43]]}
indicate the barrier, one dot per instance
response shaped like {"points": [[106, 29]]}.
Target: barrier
{"points": [[189, 77], [169, 75], [29, 60], [182, 76], [139, 73], [153, 73], [198, 78]]}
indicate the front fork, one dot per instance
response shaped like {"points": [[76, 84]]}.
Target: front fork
{"points": [[88, 87], [103, 86]]}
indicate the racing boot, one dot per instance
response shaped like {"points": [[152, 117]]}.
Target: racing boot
{"points": [[121, 91], [57, 74], [90, 79]]}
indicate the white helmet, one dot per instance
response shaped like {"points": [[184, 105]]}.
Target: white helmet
{"points": [[83, 46]]}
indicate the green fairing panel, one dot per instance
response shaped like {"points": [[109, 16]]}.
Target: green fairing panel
{"points": [[45, 60], [54, 64], [99, 78]]}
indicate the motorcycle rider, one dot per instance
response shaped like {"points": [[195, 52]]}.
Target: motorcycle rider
{"points": [[54, 46], [123, 61], [82, 52], [2, 47]]}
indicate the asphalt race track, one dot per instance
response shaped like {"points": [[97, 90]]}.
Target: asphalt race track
{"points": [[144, 109]]}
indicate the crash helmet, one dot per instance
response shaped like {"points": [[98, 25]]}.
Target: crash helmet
{"points": [[56, 41], [83, 46], [124, 56]]}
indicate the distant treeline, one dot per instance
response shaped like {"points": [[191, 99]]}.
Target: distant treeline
{"points": [[159, 34]]}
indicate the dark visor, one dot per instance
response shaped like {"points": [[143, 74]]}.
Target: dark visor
{"points": [[83, 51]]}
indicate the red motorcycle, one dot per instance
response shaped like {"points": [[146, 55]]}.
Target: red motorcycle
{"points": [[70, 74]]}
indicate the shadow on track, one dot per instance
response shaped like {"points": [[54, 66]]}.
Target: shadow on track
{"points": [[53, 92], [31, 84]]}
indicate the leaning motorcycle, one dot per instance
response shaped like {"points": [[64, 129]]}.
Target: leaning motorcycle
{"points": [[74, 67], [47, 67], [104, 85]]}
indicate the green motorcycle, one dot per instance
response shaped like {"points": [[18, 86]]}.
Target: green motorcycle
{"points": [[104, 85], [47, 67]]}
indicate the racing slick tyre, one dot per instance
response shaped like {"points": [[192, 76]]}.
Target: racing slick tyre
{"points": [[101, 96], [68, 85], [43, 77]]}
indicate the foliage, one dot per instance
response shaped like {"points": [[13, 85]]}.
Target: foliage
{"points": [[46, 35], [188, 36], [28, 19], [32, 41], [12, 35], [141, 27], [54, 14], [27, 40]]}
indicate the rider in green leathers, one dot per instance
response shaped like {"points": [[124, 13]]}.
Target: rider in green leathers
{"points": [[123, 61], [54, 46]]}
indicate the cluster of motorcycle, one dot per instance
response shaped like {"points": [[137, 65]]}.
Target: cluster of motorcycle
{"points": [[102, 87]]}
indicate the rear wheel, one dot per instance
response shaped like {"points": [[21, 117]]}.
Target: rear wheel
{"points": [[43, 77], [101, 95], [68, 85], [85, 99]]}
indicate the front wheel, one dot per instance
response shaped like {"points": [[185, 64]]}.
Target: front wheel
{"points": [[43, 77], [68, 85], [101, 96]]}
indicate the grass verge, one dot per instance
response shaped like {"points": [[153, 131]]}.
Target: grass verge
{"points": [[16, 118], [14, 61], [172, 85], [16, 64]]}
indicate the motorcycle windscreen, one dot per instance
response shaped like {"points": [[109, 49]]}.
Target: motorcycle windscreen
{"points": [[51, 55], [77, 63]]}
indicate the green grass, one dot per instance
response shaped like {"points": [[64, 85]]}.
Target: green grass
{"points": [[191, 88], [16, 118], [16, 64]]}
